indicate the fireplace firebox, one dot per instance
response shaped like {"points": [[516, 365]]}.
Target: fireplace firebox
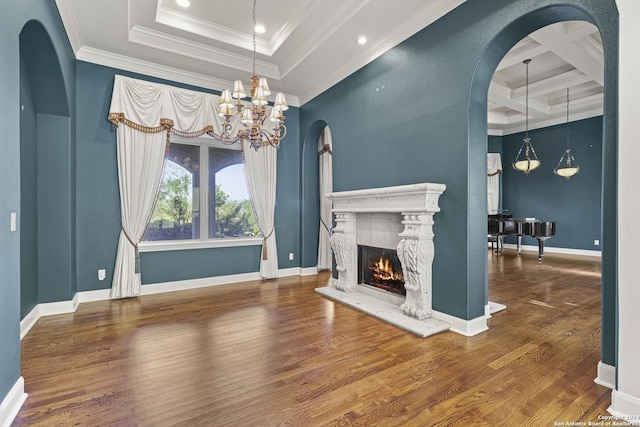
{"points": [[381, 268]]}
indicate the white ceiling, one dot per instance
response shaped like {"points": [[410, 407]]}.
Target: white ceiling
{"points": [[564, 55], [310, 45]]}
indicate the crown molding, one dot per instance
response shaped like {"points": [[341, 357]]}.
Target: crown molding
{"points": [[134, 65], [410, 27], [337, 19], [179, 46], [201, 27], [501, 128], [69, 24], [298, 15]]}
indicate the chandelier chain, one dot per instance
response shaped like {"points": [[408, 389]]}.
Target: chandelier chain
{"points": [[254, 37], [258, 126]]}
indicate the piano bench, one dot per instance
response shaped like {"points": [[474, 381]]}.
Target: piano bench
{"points": [[493, 239]]}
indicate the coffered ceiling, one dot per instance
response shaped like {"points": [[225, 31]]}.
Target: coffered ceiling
{"points": [[310, 45], [564, 55]]}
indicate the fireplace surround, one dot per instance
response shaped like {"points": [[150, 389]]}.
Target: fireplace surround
{"points": [[397, 218]]}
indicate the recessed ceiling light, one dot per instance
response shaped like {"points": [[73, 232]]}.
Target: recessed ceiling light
{"points": [[260, 29], [362, 39], [183, 3]]}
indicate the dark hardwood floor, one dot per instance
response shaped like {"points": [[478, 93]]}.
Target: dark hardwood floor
{"points": [[276, 353]]}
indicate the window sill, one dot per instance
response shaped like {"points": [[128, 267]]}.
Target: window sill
{"points": [[199, 244]]}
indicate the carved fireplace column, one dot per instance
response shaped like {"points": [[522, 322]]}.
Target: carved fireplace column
{"points": [[416, 251], [343, 243]]}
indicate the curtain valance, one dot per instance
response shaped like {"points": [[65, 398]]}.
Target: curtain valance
{"points": [[494, 164], [147, 106]]}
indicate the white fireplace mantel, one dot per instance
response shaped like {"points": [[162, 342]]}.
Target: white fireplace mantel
{"points": [[413, 198], [399, 218]]}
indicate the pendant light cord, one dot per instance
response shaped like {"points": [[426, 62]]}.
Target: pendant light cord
{"points": [[567, 118], [526, 114]]}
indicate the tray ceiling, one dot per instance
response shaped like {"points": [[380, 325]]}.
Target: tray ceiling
{"points": [[309, 46]]}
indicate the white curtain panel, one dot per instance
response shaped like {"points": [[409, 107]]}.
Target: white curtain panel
{"points": [[261, 168], [143, 111], [494, 168], [140, 167], [326, 186]]}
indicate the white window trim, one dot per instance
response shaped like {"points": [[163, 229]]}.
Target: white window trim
{"points": [[176, 245], [202, 243]]}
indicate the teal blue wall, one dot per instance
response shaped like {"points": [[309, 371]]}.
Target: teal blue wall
{"points": [[575, 204], [16, 14], [47, 172], [98, 203], [28, 197], [419, 114], [56, 246]]}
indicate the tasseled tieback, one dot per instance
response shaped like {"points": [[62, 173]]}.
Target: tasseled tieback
{"points": [[264, 245], [135, 246], [326, 148]]}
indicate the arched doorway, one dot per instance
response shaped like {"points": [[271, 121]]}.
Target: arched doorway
{"points": [[496, 50], [47, 171], [310, 195]]}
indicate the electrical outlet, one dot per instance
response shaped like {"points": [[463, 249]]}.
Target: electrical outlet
{"points": [[102, 274], [290, 256], [596, 242]]}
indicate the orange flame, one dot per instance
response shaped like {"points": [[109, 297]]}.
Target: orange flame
{"points": [[382, 270]]}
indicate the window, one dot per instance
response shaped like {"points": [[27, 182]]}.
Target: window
{"points": [[201, 172]]}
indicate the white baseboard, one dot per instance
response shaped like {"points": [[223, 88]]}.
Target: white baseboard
{"points": [[59, 307], [625, 407], [91, 296], [287, 272], [29, 320], [493, 307], [308, 271], [183, 285], [12, 403], [551, 249], [62, 307], [606, 376], [467, 328], [47, 309]]}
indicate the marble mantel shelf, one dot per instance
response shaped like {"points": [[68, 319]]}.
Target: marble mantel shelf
{"points": [[402, 198]]}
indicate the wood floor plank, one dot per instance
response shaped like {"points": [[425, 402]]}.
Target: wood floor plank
{"points": [[270, 353]]}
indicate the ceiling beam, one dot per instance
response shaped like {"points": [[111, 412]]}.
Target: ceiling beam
{"points": [[553, 39]]}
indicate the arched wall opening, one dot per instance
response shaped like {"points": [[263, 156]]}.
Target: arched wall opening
{"points": [[310, 195], [477, 144], [47, 211]]}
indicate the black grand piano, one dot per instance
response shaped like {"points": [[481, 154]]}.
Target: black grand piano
{"points": [[501, 225]]}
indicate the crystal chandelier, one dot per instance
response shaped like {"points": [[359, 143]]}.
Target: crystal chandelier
{"points": [[530, 160], [567, 166], [259, 128]]}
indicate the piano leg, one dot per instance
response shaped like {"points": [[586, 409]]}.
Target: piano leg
{"points": [[541, 247], [518, 243]]}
